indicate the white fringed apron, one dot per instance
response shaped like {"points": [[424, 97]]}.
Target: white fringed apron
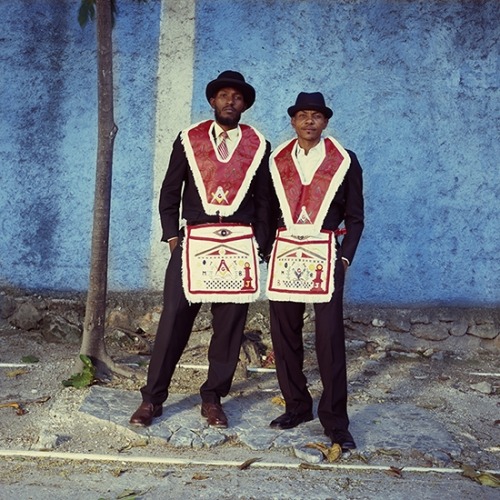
{"points": [[302, 262], [301, 268], [220, 263]]}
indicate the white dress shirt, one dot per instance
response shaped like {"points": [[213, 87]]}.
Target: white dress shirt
{"points": [[307, 164]]}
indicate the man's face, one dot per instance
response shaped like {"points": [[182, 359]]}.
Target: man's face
{"points": [[309, 125], [228, 104]]}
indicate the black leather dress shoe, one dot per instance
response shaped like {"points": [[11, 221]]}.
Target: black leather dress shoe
{"points": [[343, 438], [290, 420], [144, 415]]}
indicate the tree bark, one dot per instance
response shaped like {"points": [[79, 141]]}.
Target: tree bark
{"points": [[93, 344]]}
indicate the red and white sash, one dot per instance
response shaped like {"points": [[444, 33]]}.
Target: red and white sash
{"points": [[305, 206], [302, 261], [222, 184]]}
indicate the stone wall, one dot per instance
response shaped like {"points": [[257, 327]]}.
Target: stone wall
{"points": [[396, 332]]}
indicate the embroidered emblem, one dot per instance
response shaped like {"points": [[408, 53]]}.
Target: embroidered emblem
{"points": [[220, 196], [318, 280], [223, 269], [247, 278], [223, 232], [304, 217]]}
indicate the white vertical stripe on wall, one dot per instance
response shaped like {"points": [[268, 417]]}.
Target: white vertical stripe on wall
{"points": [[173, 112]]}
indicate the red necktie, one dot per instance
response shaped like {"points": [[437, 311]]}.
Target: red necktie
{"points": [[222, 147]]}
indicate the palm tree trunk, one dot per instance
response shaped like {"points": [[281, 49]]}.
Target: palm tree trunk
{"points": [[93, 344]]}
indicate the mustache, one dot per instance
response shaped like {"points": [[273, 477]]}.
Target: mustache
{"points": [[228, 120]]}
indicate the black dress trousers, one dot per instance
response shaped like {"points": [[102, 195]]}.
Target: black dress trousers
{"points": [[174, 330], [286, 330]]}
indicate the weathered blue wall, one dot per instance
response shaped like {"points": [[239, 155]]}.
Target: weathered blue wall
{"points": [[48, 142], [414, 88]]}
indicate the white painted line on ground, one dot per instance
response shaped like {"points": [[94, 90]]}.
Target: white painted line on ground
{"points": [[218, 463], [14, 365], [205, 367]]}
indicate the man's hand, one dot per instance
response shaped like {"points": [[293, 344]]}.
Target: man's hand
{"points": [[173, 243]]}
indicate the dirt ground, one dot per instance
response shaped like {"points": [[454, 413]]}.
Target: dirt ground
{"points": [[34, 406]]}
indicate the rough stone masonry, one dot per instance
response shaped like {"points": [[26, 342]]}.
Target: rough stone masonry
{"points": [[427, 331]]}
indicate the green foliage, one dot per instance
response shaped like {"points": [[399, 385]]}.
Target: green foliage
{"points": [[86, 12], [85, 377], [30, 359]]}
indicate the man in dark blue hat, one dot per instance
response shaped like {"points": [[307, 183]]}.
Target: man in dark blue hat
{"points": [[218, 183], [318, 187]]}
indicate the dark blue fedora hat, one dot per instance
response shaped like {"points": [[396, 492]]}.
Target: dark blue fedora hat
{"points": [[313, 101]]}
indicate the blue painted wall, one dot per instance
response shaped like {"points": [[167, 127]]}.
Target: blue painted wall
{"points": [[414, 86], [48, 144]]}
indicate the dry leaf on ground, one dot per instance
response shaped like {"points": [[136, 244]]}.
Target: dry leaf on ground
{"points": [[269, 361], [278, 400], [331, 453], [200, 477], [19, 409], [16, 373], [307, 466], [484, 478], [134, 444], [394, 472], [247, 463]]}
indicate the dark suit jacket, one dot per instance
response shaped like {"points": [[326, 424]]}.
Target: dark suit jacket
{"points": [[179, 185], [347, 206]]}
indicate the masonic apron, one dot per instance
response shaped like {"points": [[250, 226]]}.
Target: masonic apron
{"points": [[219, 261], [302, 262]]}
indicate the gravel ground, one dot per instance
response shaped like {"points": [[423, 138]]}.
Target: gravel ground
{"points": [[451, 388]]}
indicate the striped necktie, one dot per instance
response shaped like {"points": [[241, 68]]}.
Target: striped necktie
{"points": [[222, 147]]}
